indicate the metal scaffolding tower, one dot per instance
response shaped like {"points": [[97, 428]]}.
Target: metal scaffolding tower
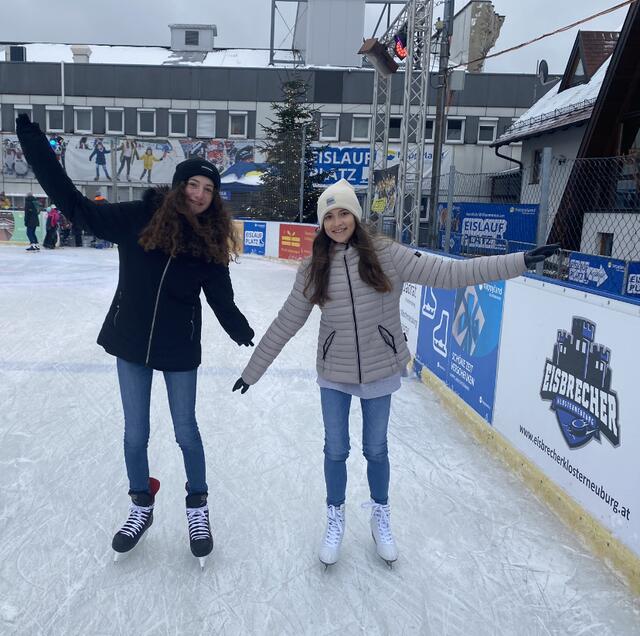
{"points": [[416, 17]]}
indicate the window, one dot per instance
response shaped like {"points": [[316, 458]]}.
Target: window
{"points": [[429, 127], [605, 243], [395, 124], [19, 110], [487, 129], [83, 120], [329, 127], [55, 119], [206, 124], [115, 121], [238, 125], [178, 122], [360, 128], [192, 38], [455, 131], [535, 168], [146, 121]]}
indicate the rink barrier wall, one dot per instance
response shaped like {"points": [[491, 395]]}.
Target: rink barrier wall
{"points": [[598, 539]]}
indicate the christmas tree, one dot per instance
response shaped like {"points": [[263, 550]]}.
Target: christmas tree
{"points": [[293, 130]]}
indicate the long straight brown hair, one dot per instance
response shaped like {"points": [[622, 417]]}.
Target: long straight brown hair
{"points": [[317, 284]]}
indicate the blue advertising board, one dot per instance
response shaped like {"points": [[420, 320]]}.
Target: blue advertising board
{"points": [[347, 162], [490, 227], [458, 339], [596, 272], [255, 234], [633, 280]]}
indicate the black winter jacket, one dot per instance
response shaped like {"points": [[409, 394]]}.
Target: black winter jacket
{"points": [[31, 214], [155, 317]]}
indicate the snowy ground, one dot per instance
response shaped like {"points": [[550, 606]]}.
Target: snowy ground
{"points": [[479, 554]]}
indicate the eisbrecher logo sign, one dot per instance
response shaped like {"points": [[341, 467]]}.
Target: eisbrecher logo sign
{"points": [[577, 381]]}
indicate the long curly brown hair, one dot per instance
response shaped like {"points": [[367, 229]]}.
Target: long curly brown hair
{"points": [[175, 230], [317, 283]]}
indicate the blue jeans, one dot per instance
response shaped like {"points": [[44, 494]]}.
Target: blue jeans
{"points": [[31, 235], [135, 390], [375, 420]]}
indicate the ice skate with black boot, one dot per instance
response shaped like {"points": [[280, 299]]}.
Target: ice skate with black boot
{"points": [[138, 522], [200, 539], [330, 547], [381, 532]]}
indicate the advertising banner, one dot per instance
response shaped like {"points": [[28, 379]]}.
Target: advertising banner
{"points": [[138, 159], [596, 272], [384, 190], [633, 280], [12, 227], [238, 230], [490, 227], [255, 235], [295, 241], [410, 305], [459, 335], [567, 397]]}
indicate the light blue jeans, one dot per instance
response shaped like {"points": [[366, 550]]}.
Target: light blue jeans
{"points": [[375, 421], [135, 390]]}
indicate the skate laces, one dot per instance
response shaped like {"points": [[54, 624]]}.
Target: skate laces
{"points": [[138, 516], [198, 523], [381, 513], [335, 526]]}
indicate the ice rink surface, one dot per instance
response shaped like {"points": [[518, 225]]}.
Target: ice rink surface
{"points": [[479, 554]]}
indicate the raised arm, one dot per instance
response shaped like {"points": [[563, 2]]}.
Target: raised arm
{"points": [[422, 268], [106, 220], [287, 323]]}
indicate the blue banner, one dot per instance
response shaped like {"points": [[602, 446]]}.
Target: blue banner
{"points": [[489, 227], [596, 272], [458, 338], [255, 235], [633, 280], [347, 162]]}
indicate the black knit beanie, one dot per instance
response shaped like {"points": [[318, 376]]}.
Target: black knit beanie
{"points": [[193, 167]]}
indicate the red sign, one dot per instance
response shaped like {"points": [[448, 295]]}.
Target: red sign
{"points": [[296, 241]]}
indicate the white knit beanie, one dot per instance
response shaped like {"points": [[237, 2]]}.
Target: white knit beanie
{"points": [[339, 195]]}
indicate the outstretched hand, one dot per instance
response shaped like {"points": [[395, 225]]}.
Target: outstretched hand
{"points": [[539, 254], [23, 124], [245, 343], [242, 385]]}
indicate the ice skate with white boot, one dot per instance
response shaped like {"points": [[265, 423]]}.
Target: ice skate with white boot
{"points": [[330, 548], [138, 522], [200, 539], [381, 532]]}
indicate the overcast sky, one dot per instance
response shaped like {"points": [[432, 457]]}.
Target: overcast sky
{"points": [[245, 23]]}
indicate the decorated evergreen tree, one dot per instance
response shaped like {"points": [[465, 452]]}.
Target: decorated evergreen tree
{"points": [[283, 145]]}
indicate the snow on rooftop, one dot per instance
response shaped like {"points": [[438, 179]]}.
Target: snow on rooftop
{"points": [[153, 56], [553, 108]]}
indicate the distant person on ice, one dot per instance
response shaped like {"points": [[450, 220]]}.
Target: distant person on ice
{"points": [[357, 281], [32, 221], [172, 244]]}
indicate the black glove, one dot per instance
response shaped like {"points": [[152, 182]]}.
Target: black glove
{"points": [[538, 254], [242, 385], [24, 124], [245, 343]]}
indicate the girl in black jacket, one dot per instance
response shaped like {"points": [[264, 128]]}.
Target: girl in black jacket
{"points": [[172, 244]]}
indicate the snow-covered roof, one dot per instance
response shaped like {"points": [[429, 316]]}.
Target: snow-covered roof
{"points": [[556, 110], [155, 56]]}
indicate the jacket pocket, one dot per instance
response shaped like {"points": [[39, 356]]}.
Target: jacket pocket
{"points": [[327, 344], [193, 324], [115, 315], [388, 338]]}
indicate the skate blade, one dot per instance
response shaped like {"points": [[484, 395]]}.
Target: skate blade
{"points": [[387, 561]]}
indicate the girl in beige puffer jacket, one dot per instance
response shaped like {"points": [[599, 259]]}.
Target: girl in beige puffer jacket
{"points": [[357, 283]]}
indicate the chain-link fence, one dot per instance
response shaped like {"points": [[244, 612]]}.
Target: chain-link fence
{"points": [[589, 206]]}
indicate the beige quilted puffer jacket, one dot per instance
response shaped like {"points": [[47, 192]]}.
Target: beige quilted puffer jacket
{"points": [[361, 339]]}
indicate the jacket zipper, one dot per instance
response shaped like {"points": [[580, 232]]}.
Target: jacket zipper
{"points": [[193, 326], [155, 309], [355, 323], [115, 316]]}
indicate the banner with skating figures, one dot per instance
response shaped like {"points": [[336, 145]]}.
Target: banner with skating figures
{"points": [[137, 159], [384, 191]]}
